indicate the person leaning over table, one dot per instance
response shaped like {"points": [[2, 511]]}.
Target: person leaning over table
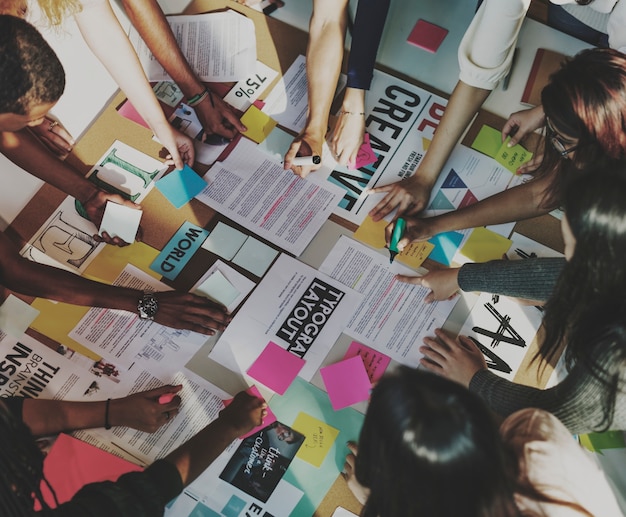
{"points": [[485, 57], [105, 37], [136, 494], [31, 81], [585, 313], [583, 111], [430, 448], [324, 55]]}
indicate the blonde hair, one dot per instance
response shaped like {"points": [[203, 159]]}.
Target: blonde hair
{"points": [[57, 10]]}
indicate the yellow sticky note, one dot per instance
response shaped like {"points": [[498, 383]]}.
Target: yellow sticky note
{"points": [[320, 437], [110, 262], [56, 321], [484, 245], [415, 253], [258, 123], [371, 233]]}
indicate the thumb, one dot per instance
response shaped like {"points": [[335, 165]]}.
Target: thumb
{"points": [[164, 390]]}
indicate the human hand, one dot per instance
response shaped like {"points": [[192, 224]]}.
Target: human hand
{"points": [[347, 137], [409, 196], [142, 411], [190, 311], [417, 229], [179, 145], [360, 492], [521, 123], [95, 206], [54, 136], [217, 117], [244, 413], [457, 359], [443, 283], [530, 166], [304, 145]]}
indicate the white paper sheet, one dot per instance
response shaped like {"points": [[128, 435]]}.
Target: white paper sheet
{"points": [[123, 338], [253, 190], [392, 317], [268, 315], [201, 403], [218, 46], [504, 330], [239, 282]]}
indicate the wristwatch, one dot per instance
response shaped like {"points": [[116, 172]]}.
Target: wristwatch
{"points": [[147, 306]]}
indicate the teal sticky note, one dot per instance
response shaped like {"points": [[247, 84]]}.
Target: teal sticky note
{"points": [[180, 248], [225, 241], [255, 256], [180, 186], [219, 289], [446, 245]]}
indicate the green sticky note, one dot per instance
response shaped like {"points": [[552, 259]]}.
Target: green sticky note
{"points": [[488, 141], [484, 245], [595, 442], [258, 123], [512, 157]]}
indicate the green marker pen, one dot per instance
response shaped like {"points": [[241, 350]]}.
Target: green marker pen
{"points": [[396, 236]]}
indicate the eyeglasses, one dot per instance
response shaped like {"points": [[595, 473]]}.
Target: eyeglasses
{"points": [[556, 141]]}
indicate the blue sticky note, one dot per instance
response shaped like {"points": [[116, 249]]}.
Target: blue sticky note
{"points": [[180, 248], [180, 186], [446, 245]]}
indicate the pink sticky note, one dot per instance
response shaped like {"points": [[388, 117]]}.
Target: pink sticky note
{"points": [[72, 463], [276, 368], [259, 103], [365, 156], [270, 418], [375, 362], [127, 110], [427, 36], [346, 382]]}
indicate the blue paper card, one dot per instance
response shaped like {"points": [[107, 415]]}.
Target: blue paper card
{"points": [[180, 248], [446, 245], [180, 186]]}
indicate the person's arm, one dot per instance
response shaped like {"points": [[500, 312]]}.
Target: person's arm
{"points": [[366, 33], [324, 55], [240, 416], [140, 411], [411, 195], [106, 39], [27, 152], [514, 204], [485, 56], [148, 18], [176, 309]]}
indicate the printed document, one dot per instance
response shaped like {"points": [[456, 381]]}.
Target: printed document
{"points": [[220, 47], [253, 190], [392, 317], [294, 306]]}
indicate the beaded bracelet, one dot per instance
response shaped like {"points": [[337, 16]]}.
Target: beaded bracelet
{"points": [[107, 424], [342, 112], [197, 99]]}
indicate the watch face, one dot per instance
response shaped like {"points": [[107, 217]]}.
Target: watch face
{"points": [[148, 306]]}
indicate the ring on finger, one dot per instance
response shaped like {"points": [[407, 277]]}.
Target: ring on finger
{"points": [[52, 125], [167, 415]]}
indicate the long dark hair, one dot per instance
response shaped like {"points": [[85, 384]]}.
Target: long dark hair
{"points": [[429, 447], [587, 309], [585, 99], [21, 468]]}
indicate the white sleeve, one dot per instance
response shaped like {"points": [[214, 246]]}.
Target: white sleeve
{"points": [[487, 48], [616, 27]]}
